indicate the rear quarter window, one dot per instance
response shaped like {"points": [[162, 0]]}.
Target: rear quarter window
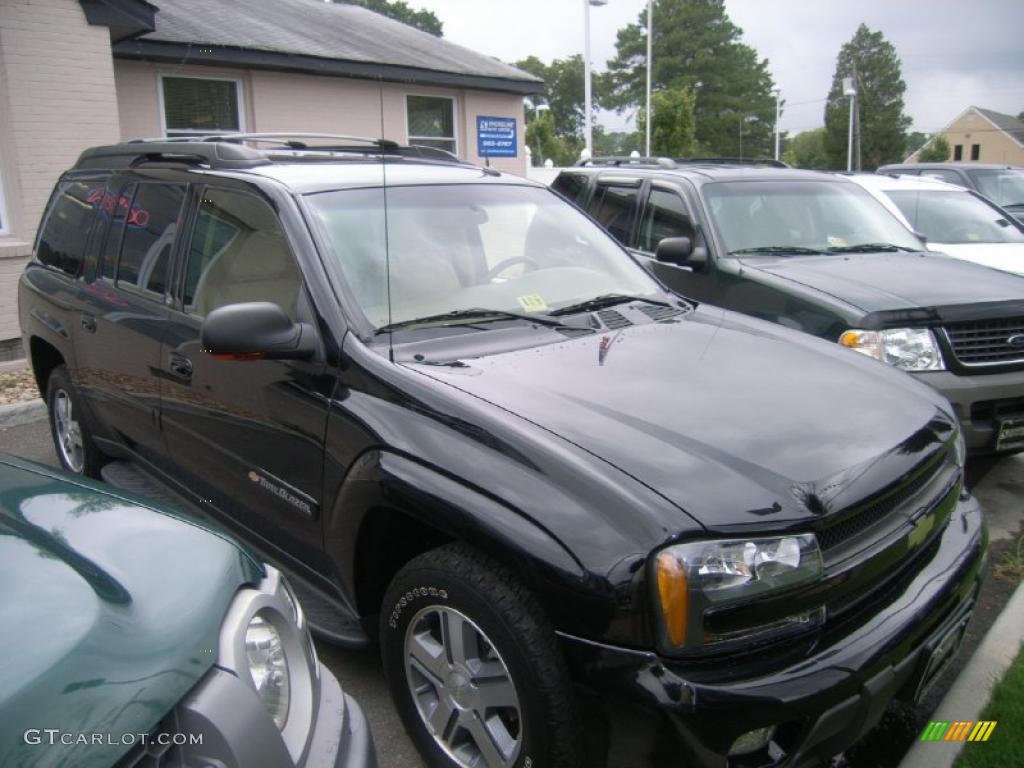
{"points": [[67, 226]]}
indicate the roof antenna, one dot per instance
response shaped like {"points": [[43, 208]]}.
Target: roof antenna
{"points": [[387, 244]]}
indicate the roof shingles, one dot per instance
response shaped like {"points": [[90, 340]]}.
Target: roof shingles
{"points": [[335, 31]]}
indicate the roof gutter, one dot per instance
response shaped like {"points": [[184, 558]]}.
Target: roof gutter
{"points": [[187, 53]]}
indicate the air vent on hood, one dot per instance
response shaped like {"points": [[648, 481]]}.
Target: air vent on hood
{"points": [[658, 313], [613, 320]]}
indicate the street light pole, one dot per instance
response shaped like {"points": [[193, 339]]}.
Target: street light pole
{"points": [[650, 45], [849, 90], [778, 116], [588, 106]]}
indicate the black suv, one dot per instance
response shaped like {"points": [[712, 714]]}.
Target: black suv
{"points": [[469, 425], [815, 252]]}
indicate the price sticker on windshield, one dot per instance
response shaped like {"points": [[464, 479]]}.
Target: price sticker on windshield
{"points": [[532, 303]]}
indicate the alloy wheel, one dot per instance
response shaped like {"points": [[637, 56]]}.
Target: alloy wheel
{"points": [[462, 688], [68, 432]]}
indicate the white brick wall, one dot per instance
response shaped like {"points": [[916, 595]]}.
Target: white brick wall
{"points": [[57, 97]]}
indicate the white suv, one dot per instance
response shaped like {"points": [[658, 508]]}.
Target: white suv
{"points": [[952, 219]]}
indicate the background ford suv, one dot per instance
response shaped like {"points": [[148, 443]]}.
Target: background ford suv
{"points": [[815, 252]]}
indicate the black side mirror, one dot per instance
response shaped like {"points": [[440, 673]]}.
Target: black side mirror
{"points": [[680, 251], [256, 330]]}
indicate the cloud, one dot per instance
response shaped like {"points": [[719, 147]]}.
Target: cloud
{"points": [[954, 53]]}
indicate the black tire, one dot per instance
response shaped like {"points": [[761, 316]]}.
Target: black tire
{"points": [[456, 578], [88, 460]]}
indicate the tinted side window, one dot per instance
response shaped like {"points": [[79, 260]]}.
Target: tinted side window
{"points": [[238, 253], [66, 230], [571, 186], [151, 226], [666, 216], [615, 208]]}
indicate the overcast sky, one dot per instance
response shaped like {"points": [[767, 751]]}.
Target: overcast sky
{"points": [[955, 52]]}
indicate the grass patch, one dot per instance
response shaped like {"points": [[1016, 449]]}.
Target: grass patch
{"points": [[1011, 567], [1005, 746]]}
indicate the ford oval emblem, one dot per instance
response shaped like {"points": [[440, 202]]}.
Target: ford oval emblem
{"points": [[1016, 341]]}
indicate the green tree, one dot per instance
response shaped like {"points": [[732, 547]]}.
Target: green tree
{"points": [[546, 144], [935, 151], [617, 143], [398, 10], [872, 62], [673, 133], [697, 47], [563, 91], [807, 150], [915, 141]]}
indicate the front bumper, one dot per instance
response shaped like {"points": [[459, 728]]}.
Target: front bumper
{"points": [[234, 730], [979, 400], [665, 712]]}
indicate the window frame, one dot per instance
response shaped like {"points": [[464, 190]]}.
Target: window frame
{"points": [[958, 153], [975, 152], [410, 139], [185, 132]]}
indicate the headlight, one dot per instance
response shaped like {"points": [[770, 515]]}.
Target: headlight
{"points": [[698, 578], [912, 349], [268, 666]]}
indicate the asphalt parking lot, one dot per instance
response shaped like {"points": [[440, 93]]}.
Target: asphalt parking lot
{"points": [[998, 483]]}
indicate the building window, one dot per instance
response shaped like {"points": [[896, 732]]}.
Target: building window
{"points": [[975, 151], [200, 105], [431, 122], [958, 152]]}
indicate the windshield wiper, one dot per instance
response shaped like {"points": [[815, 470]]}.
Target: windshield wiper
{"points": [[605, 300], [779, 249], [471, 314], [872, 248]]}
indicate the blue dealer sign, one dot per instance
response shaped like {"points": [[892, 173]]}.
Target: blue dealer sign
{"points": [[496, 136]]}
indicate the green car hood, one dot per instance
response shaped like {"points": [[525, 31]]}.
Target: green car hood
{"points": [[110, 612]]}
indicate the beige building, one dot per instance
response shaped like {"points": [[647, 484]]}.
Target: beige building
{"points": [[982, 136], [77, 73]]}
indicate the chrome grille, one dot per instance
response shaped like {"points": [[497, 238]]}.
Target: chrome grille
{"points": [[987, 342]]}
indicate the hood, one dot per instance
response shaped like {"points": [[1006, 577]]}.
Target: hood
{"points": [[737, 422], [1009, 257], [879, 282], [111, 612]]}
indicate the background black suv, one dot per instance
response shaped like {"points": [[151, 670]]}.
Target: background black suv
{"points": [[468, 424], [814, 252]]}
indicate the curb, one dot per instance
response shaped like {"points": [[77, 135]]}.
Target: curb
{"points": [[17, 414], [968, 696]]}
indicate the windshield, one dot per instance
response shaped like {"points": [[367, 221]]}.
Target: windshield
{"points": [[802, 216], [459, 247], [955, 217], [1004, 187]]}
